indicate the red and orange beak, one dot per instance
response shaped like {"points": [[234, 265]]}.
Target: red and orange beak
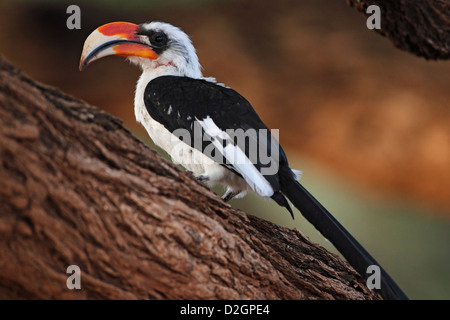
{"points": [[114, 39]]}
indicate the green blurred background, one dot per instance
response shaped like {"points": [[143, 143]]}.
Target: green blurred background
{"points": [[368, 125]]}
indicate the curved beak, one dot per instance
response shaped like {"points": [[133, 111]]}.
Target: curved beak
{"points": [[114, 39]]}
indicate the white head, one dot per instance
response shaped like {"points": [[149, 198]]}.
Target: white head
{"points": [[156, 47]]}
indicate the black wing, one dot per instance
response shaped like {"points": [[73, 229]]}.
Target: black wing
{"points": [[182, 102]]}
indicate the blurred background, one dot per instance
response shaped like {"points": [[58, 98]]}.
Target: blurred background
{"points": [[368, 125]]}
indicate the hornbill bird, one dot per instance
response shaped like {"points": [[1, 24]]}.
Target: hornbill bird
{"points": [[172, 96]]}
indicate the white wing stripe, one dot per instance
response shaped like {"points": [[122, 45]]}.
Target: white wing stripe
{"points": [[234, 155]]}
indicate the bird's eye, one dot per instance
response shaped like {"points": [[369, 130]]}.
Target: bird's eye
{"points": [[158, 39]]}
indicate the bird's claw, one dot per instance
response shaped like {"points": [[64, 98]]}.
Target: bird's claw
{"points": [[202, 178]]}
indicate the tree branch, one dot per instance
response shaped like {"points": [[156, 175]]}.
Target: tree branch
{"points": [[420, 27], [76, 188]]}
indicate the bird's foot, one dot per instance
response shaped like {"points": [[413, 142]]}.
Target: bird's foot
{"points": [[228, 195], [202, 178]]}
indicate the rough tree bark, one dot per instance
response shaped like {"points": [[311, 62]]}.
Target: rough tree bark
{"points": [[76, 188], [420, 27]]}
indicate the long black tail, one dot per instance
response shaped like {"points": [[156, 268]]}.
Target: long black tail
{"points": [[332, 230]]}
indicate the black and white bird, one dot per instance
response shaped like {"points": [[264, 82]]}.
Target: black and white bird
{"points": [[173, 100]]}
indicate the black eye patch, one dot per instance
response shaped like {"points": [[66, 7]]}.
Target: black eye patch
{"points": [[158, 39]]}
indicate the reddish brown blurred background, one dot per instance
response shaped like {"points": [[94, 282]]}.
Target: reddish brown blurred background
{"points": [[350, 106]]}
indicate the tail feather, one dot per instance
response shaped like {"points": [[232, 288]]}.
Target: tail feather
{"points": [[281, 200], [331, 229]]}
